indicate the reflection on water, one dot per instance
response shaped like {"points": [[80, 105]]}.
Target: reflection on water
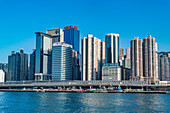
{"points": [[83, 102]]}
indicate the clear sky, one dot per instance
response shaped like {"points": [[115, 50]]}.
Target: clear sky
{"points": [[20, 19]]}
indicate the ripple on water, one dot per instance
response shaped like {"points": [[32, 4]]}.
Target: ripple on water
{"points": [[83, 102]]}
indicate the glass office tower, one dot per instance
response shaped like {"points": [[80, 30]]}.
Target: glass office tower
{"points": [[112, 48], [72, 37], [57, 34], [62, 62], [111, 69], [43, 56]]}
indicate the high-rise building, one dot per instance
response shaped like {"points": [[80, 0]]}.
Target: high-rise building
{"points": [[43, 56], [102, 57], [17, 66], [126, 73], [136, 58], [157, 66], [149, 59], [121, 53], [3, 66], [127, 63], [111, 69], [164, 66], [57, 34], [91, 58], [2, 76], [128, 53], [103, 52], [32, 66], [72, 37], [62, 62], [76, 66], [44, 41], [112, 48], [144, 59]]}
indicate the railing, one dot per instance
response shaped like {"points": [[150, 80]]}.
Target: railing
{"points": [[96, 82]]}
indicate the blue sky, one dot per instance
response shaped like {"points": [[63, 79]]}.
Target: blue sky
{"points": [[20, 19]]}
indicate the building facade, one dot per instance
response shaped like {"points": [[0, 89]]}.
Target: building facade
{"points": [[126, 74], [102, 52], [136, 58], [127, 63], [149, 59], [57, 34], [111, 69], [164, 66], [112, 48], [72, 37], [111, 72], [3, 66], [144, 59], [91, 58], [128, 53], [2, 76], [17, 66], [43, 56], [62, 62], [43, 61], [75, 66], [121, 53], [32, 66]]}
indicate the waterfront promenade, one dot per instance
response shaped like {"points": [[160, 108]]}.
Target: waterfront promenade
{"points": [[80, 84]]}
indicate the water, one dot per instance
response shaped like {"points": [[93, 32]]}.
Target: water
{"points": [[48, 102]]}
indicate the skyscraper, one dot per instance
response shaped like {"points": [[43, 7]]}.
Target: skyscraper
{"points": [[32, 66], [57, 34], [143, 59], [164, 66], [17, 66], [2, 76], [3, 66], [91, 60], [121, 53], [72, 37], [103, 52], [128, 53], [111, 69], [112, 48], [62, 62], [44, 41], [149, 59], [127, 63], [136, 58], [43, 56], [75, 66]]}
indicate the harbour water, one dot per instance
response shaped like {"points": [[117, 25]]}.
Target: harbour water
{"points": [[48, 102]]}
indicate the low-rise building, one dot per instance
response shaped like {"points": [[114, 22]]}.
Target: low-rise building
{"points": [[111, 72]]}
